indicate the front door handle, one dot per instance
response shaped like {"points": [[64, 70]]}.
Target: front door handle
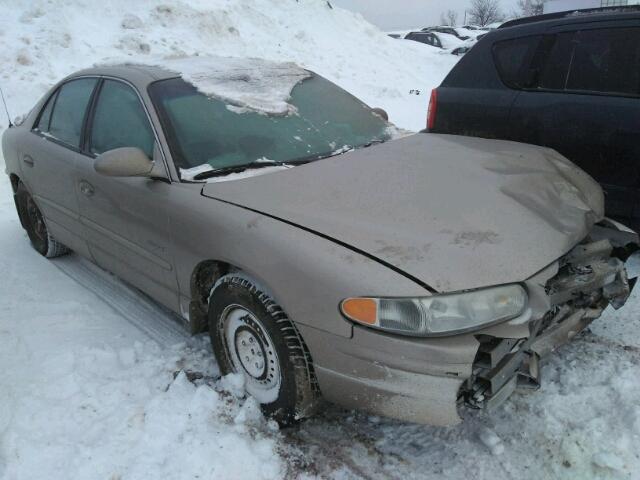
{"points": [[86, 188], [28, 161]]}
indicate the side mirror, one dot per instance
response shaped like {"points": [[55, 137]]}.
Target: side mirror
{"points": [[381, 113], [124, 162]]}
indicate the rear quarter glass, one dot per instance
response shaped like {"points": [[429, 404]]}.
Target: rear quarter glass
{"points": [[475, 70], [513, 60]]}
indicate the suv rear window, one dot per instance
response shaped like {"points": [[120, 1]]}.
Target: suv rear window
{"points": [[598, 61], [513, 60], [553, 75]]}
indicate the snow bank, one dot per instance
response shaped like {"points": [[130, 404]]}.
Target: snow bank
{"points": [[100, 412], [99, 382], [45, 40], [89, 391]]}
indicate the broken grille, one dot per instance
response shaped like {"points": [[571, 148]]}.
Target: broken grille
{"points": [[588, 279]]}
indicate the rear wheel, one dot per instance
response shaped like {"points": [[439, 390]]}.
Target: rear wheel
{"points": [[36, 228], [253, 337]]}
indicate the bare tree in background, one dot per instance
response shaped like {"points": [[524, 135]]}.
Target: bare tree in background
{"points": [[449, 18], [529, 8], [484, 12]]}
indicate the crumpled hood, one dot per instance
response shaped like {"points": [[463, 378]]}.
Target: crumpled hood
{"points": [[454, 212]]}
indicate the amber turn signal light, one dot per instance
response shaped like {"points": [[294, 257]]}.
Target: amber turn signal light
{"points": [[362, 310]]}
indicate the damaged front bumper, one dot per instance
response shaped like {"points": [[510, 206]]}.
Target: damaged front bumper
{"points": [[588, 278], [428, 380]]}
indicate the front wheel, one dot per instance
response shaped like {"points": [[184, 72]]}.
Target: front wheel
{"points": [[252, 336]]}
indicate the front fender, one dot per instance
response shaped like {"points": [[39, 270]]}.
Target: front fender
{"points": [[308, 275]]}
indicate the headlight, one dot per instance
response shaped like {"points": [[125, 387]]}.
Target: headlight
{"points": [[438, 315]]}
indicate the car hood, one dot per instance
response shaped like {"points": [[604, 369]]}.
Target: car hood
{"points": [[453, 212]]}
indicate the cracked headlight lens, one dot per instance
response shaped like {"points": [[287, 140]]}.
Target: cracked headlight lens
{"points": [[438, 315]]}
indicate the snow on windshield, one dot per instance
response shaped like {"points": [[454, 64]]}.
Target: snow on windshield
{"points": [[249, 84]]}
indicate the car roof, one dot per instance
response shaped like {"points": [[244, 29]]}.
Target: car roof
{"points": [[138, 74], [148, 70], [573, 17]]}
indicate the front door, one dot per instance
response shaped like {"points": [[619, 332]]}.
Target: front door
{"points": [[126, 220]]}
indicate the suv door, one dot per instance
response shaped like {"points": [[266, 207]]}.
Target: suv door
{"points": [[586, 105], [49, 160], [126, 219]]}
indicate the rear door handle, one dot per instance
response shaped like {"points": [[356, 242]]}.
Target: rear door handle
{"points": [[86, 188], [28, 161]]}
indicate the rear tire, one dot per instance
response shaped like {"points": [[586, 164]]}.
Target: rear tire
{"points": [[33, 221], [251, 335]]}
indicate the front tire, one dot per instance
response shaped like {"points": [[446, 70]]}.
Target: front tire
{"points": [[252, 336], [33, 221]]}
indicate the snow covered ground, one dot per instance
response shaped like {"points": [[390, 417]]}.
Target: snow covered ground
{"points": [[99, 382]]}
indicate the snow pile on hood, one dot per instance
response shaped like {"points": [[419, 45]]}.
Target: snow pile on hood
{"points": [[43, 41], [247, 83]]}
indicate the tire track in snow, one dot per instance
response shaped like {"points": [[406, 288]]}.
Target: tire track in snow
{"points": [[148, 316]]}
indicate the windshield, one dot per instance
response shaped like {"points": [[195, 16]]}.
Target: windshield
{"points": [[205, 131]]}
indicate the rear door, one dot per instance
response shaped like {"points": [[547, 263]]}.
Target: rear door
{"points": [[586, 105], [49, 160], [126, 220]]}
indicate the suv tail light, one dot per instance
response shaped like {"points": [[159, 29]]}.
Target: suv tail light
{"points": [[433, 106]]}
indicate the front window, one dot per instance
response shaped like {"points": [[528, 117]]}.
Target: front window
{"points": [[120, 121], [206, 131]]}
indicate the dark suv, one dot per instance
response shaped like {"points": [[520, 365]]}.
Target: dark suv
{"points": [[569, 81]]}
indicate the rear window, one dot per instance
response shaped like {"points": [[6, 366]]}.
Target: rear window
{"points": [[596, 61], [513, 60], [421, 37], [65, 122], [45, 116], [553, 75]]}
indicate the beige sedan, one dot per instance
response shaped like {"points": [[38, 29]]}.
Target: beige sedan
{"points": [[327, 255]]}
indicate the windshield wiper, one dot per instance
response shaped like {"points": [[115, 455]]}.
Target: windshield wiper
{"points": [[314, 157], [335, 153], [238, 168], [373, 142]]}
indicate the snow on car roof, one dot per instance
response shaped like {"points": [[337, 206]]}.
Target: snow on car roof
{"points": [[253, 84]]}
